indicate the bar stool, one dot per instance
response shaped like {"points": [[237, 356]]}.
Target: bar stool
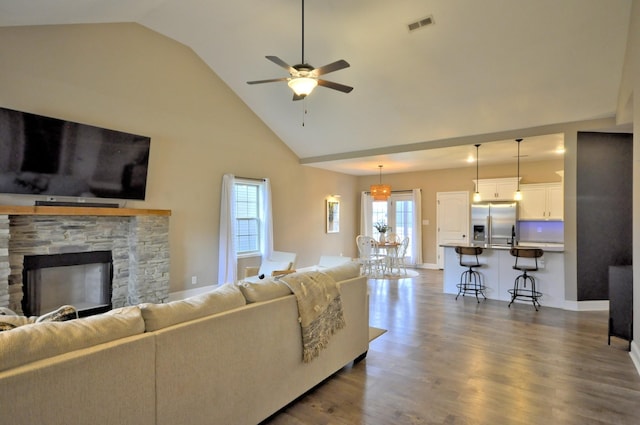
{"points": [[470, 279], [520, 290]]}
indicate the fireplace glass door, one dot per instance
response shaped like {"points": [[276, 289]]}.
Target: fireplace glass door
{"points": [[82, 280]]}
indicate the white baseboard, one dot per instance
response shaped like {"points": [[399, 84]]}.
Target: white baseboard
{"points": [[601, 305], [429, 266], [635, 355], [181, 295]]}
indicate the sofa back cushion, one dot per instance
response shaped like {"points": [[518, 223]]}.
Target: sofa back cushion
{"points": [[263, 290], [223, 298], [28, 343], [344, 271], [18, 320]]}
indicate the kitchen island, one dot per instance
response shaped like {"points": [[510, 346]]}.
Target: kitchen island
{"points": [[498, 273]]}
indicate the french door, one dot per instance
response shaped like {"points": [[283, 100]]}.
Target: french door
{"points": [[398, 213]]}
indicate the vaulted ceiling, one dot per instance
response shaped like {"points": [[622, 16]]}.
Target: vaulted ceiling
{"points": [[481, 68]]}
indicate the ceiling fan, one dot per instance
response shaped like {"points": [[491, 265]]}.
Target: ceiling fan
{"points": [[304, 77]]}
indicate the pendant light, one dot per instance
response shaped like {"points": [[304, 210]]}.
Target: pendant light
{"points": [[518, 195], [476, 196], [380, 192]]}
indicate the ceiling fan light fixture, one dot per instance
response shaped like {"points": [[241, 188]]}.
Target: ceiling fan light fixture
{"points": [[304, 77], [302, 86]]}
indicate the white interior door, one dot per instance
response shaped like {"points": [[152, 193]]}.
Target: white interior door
{"points": [[452, 216]]}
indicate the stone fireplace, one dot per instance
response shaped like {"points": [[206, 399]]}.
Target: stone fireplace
{"points": [[137, 240]]}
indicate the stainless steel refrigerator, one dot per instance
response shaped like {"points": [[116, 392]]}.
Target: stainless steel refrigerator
{"points": [[494, 223]]}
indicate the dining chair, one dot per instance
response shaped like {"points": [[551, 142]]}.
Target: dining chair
{"points": [[396, 257], [372, 262]]}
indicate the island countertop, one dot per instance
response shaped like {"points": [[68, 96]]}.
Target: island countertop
{"points": [[545, 246]]}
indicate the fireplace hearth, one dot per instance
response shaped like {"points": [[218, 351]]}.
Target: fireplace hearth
{"points": [[80, 279]]}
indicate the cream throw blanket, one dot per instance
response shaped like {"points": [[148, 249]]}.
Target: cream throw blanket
{"points": [[319, 307]]}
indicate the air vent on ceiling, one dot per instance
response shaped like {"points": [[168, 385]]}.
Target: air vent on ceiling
{"points": [[421, 23]]}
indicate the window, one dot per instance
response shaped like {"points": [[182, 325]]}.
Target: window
{"points": [[245, 223], [248, 217]]}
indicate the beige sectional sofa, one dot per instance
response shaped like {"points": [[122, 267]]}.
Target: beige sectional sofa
{"points": [[211, 359]]}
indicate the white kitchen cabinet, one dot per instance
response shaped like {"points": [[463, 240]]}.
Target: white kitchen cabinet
{"points": [[497, 189], [542, 201]]}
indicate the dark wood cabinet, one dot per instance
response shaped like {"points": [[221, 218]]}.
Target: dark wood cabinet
{"points": [[621, 303]]}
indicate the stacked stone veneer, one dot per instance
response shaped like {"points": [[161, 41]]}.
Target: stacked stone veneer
{"points": [[139, 246]]}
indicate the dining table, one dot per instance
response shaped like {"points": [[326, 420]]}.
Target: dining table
{"points": [[390, 250]]}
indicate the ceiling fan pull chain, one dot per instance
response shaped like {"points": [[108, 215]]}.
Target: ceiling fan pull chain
{"points": [[304, 110]]}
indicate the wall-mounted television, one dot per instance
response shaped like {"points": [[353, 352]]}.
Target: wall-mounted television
{"points": [[56, 158]]}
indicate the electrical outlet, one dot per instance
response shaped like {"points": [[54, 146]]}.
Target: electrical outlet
{"points": [[194, 280]]}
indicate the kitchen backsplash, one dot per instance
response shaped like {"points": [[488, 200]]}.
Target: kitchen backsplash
{"points": [[541, 231]]}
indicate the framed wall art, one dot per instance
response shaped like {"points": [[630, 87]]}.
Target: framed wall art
{"points": [[333, 216]]}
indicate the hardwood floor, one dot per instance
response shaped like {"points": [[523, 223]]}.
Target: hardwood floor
{"points": [[444, 361]]}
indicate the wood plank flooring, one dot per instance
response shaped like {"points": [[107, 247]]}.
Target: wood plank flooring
{"points": [[444, 361]]}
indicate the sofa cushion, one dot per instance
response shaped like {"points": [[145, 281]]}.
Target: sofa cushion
{"points": [[38, 341], [344, 271], [223, 298], [18, 320], [264, 290]]}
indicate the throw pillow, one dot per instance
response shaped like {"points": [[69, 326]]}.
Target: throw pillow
{"points": [[62, 314], [6, 326], [223, 298], [267, 289]]}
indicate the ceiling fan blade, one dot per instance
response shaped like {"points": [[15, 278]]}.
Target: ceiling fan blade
{"points": [[335, 86], [272, 80], [281, 63], [335, 66]]}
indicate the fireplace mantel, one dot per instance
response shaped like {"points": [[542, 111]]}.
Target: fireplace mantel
{"points": [[79, 211]]}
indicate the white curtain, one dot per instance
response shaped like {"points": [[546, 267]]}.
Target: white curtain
{"points": [[267, 215], [227, 258], [416, 235], [366, 223]]}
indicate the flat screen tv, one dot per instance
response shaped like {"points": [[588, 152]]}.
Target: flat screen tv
{"points": [[56, 158]]}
